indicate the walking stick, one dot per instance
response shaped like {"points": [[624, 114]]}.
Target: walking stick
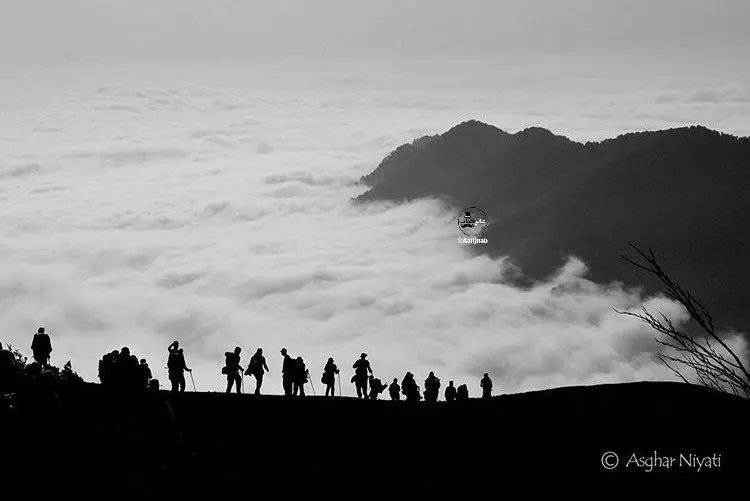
{"points": [[311, 383], [193, 380]]}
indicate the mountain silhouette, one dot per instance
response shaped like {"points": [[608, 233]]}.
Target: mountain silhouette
{"points": [[682, 192]]}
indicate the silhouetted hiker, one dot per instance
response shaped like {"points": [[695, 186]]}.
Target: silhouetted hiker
{"points": [[257, 367], [177, 367], [450, 392], [287, 373], [172, 358], [41, 347], [409, 388], [300, 377], [145, 373], [431, 388], [329, 377], [486, 385], [462, 393], [395, 390], [376, 388], [232, 369], [361, 368]]}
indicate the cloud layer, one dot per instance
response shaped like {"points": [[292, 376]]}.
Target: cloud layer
{"points": [[141, 207]]}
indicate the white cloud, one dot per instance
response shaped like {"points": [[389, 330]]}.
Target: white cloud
{"points": [[219, 246]]}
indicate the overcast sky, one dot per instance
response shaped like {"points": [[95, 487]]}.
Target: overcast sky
{"points": [[40, 31]]}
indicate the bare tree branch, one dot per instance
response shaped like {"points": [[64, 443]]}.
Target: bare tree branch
{"points": [[711, 360]]}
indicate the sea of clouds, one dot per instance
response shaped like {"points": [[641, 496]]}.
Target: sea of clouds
{"points": [[146, 203]]}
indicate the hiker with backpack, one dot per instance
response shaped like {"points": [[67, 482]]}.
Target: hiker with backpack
{"points": [[300, 377], [232, 369], [410, 389], [431, 388], [376, 388], [329, 376], [361, 368], [257, 367], [176, 367]]}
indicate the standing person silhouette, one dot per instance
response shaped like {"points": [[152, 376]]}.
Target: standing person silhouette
{"points": [[462, 393], [450, 392], [431, 388], [232, 369], [300, 377], [145, 373], [287, 373], [176, 367], [410, 389], [361, 369], [41, 347], [329, 377], [394, 390], [257, 367], [486, 385]]}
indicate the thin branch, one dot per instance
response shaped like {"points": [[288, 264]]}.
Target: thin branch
{"points": [[710, 358]]}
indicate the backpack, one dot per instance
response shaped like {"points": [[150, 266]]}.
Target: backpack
{"points": [[253, 366]]}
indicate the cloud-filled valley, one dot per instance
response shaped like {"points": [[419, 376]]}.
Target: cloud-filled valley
{"points": [[140, 207]]}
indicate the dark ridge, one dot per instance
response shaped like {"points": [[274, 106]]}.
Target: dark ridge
{"points": [[681, 191], [87, 441]]}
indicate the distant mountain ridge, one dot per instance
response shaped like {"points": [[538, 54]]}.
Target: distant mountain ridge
{"points": [[680, 191]]}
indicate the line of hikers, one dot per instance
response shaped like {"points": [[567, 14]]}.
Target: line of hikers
{"points": [[294, 376], [120, 368]]}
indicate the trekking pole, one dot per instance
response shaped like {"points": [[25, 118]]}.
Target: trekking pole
{"points": [[311, 382], [193, 380]]}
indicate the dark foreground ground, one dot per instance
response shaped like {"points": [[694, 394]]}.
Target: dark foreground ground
{"points": [[87, 442]]}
